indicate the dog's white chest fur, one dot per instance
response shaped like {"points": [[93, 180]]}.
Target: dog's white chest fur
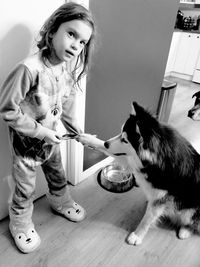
{"points": [[141, 178]]}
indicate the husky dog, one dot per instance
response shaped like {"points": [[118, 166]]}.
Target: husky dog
{"points": [[166, 168], [194, 112]]}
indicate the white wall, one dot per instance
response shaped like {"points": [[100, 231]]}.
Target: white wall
{"points": [[20, 22]]}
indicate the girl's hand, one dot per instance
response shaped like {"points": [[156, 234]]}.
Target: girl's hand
{"points": [[52, 137], [90, 141]]}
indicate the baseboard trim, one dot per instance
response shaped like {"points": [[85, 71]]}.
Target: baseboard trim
{"points": [[181, 76], [96, 167]]}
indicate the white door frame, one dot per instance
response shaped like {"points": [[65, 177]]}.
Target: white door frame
{"points": [[75, 151], [73, 156], [73, 159]]}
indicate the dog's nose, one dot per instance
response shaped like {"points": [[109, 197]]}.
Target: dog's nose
{"points": [[190, 113], [106, 144]]}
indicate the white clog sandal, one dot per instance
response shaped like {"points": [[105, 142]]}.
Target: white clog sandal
{"points": [[74, 212], [67, 208], [27, 239]]}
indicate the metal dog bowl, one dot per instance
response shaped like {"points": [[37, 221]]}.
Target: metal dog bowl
{"points": [[115, 178]]}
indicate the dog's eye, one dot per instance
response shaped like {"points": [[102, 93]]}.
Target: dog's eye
{"points": [[55, 111], [124, 140], [41, 118]]}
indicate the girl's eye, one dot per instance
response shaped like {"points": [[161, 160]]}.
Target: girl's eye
{"points": [[83, 42], [71, 34]]}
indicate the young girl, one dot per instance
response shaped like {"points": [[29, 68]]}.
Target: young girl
{"points": [[37, 93]]}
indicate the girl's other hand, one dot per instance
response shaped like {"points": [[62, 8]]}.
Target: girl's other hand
{"points": [[52, 137]]}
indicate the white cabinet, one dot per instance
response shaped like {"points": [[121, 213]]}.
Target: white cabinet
{"points": [[187, 53], [192, 54], [196, 76], [172, 52], [183, 54]]}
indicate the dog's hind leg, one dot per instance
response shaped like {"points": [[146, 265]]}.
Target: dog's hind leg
{"points": [[150, 217]]}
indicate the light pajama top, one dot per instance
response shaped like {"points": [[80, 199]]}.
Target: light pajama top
{"points": [[32, 100]]}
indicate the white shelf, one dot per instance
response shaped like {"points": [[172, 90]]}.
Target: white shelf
{"points": [[187, 2], [189, 5]]}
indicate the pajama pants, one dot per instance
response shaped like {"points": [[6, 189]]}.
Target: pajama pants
{"points": [[28, 153]]}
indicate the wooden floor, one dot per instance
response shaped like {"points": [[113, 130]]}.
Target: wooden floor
{"points": [[183, 101], [99, 241]]}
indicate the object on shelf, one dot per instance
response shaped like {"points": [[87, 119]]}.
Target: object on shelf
{"points": [[179, 20], [188, 23]]}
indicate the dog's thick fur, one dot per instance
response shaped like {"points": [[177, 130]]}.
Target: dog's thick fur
{"points": [[166, 168]]}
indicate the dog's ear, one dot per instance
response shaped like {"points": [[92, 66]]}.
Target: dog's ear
{"points": [[133, 112], [146, 122], [136, 109], [197, 94], [139, 111]]}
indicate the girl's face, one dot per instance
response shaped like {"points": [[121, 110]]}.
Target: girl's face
{"points": [[69, 40]]}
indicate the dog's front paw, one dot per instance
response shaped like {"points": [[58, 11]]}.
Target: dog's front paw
{"points": [[133, 239], [184, 233]]}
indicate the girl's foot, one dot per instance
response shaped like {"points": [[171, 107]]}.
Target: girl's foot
{"points": [[73, 212], [26, 239], [69, 209]]}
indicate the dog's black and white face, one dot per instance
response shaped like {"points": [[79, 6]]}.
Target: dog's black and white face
{"points": [[126, 143], [137, 137], [140, 126], [194, 113]]}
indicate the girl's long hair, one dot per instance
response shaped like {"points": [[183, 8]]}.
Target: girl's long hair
{"points": [[67, 12]]}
